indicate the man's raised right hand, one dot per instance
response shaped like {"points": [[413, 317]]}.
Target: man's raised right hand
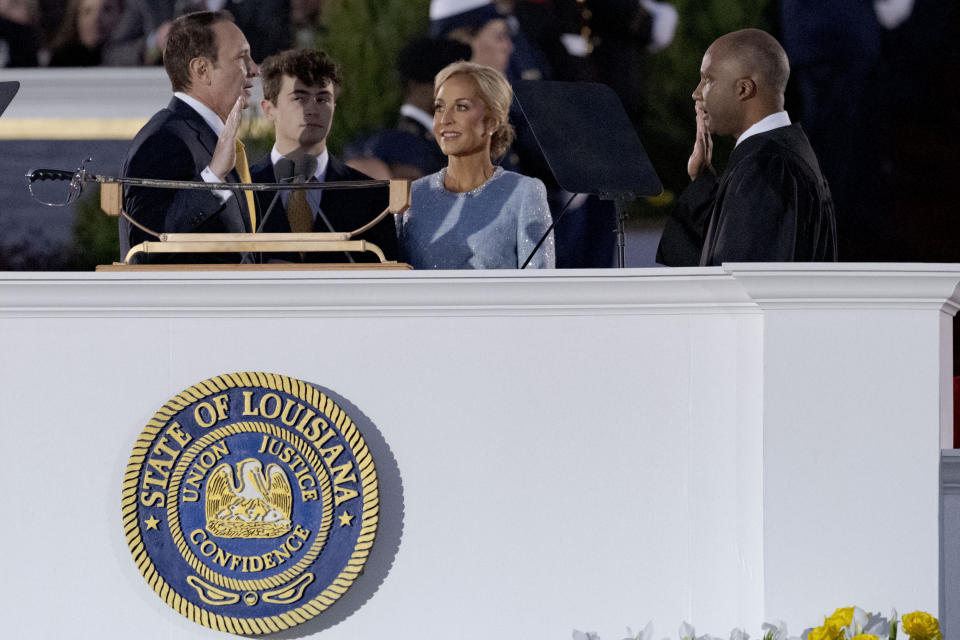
{"points": [[225, 155]]}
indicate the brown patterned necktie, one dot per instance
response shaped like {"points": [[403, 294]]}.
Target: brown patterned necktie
{"points": [[299, 213]]}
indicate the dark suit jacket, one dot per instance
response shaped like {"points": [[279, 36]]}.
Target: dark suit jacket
{"points": [[177, 144], [346, 209], [20, 42], [432, 159]]}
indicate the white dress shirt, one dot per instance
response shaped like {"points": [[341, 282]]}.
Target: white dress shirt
{"points": [[772, 121], [214, 122]]}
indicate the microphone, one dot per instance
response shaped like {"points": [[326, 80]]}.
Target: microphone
{"points": [[297, 171], [304, 168], [284, 169]]}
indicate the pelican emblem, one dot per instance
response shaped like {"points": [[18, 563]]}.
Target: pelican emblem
{"points": [[257, 506]]}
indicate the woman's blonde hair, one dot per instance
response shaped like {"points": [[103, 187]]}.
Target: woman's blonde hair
{"points": [[495, 92]]}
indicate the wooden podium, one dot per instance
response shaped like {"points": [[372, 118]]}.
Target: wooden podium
{"points": [[188, 244], [563, 449], [250, 268]]}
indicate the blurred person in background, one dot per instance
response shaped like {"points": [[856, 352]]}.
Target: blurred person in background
{"points": [[408, 150], [19, 11], [835, 53], [306, 20], [87, 25], [141, 35], [604, 41], [49, 20], [870, 76], [477, 23], [18, 37], [419, 63]]}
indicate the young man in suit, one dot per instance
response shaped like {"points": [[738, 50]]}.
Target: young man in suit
{"points": [[300, 95], [194, 138]]}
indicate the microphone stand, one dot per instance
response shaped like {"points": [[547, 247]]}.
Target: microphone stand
{"points": [[266, 215], [283, 171]]}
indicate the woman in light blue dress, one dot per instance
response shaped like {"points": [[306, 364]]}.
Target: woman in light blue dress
{"points": [[473, 214]]}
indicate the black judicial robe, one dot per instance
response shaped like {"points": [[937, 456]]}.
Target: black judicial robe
{"points": [[771, 204]]}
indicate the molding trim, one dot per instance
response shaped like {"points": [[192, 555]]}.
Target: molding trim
{"points": [[368, 293], [950, 471], [734, 288], [850, 285]]}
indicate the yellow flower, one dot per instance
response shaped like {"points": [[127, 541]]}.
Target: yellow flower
{"points": [[841, 617], [829, 631], [864, 636], [922, 626]]}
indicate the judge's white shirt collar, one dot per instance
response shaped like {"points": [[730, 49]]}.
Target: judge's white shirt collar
{"points": [[772, 121], [421, 116], [209, 115], [322, 161]]}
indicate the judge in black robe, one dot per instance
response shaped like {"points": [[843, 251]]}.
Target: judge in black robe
{"points": [[772, 203]]}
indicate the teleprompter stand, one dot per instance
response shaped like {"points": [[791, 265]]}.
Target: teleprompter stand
{"points": [[589, 143], [8, 90]]}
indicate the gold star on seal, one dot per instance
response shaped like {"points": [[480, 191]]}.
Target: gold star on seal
{"points": [[346, 519], [152, 523]]}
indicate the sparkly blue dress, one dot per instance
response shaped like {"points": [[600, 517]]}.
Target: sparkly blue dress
{"points": [[495, 226]]}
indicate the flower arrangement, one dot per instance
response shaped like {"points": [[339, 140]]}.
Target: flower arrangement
{"points": [[846, 623]]}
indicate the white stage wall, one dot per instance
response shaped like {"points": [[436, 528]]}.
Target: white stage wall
{"points": [[575, 449]]}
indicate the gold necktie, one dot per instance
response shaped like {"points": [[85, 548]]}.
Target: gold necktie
{"points": [[243, 169], [299, 213]]}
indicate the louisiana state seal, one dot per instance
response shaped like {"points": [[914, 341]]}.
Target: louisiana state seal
{"points": [[250, 502]]}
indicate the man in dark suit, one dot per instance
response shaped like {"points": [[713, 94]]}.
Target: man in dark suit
{"points": [[300, 94], [771, 203], [194, 138]]}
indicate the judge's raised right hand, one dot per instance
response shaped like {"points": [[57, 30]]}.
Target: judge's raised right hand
{"points": [[225, 155], [702, 153]]}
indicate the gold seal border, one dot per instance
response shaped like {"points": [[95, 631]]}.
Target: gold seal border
{"points": [[369, 518], [173, 515]]}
